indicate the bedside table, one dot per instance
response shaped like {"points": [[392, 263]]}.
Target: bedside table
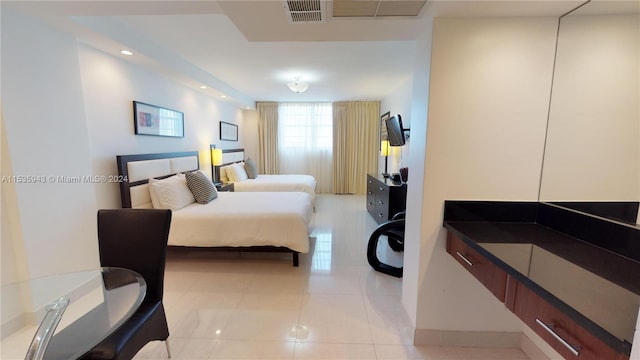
{"points": [[225, 187]]}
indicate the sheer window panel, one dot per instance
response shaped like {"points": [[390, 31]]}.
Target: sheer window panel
{"points": [[305, 141]]}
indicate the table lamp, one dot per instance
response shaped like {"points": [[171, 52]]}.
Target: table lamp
{"points": [[216, 160], [384, 151]]}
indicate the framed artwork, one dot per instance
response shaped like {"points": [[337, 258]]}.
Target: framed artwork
{"points": [[157, 121], [383, 127], [228, 131]]}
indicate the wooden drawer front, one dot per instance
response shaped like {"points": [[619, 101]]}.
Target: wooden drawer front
{"points": [[382, 202], [371, 199], [382, 196], [510, 293], [561, 332], [371, 207], [490, 275], [371, 184]]}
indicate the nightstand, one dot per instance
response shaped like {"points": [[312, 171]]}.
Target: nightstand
{"points": [[225, 187]]}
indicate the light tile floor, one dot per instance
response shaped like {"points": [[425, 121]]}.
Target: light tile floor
{"points": [[334, 306]]}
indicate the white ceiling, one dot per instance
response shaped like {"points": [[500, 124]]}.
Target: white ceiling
{"points": [[248, 51]]}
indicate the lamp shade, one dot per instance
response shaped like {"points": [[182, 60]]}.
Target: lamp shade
{"points": [[384, 148], [216, 157]]}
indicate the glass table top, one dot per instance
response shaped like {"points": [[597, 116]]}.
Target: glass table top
{"points": [[99, 301]]}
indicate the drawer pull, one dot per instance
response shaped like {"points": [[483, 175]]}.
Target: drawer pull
{"points": [[380, 202], [464, 258], [370, 203], [549, 328], [380, 188], [380, 215]]}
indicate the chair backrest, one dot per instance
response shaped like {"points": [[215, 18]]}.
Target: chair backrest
{"points": [[136, 239]]}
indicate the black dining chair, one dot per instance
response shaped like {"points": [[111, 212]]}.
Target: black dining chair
{"points": [[135, 239]]}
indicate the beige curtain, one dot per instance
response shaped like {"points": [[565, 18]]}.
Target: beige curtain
{"points": [[267, 137], [356, 132]]}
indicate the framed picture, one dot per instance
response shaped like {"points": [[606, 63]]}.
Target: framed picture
{"points": [[157, 121], [383, 128], [228, 131]]}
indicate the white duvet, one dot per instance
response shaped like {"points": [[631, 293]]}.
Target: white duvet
{"points": [[303, 183], [245, 219]]}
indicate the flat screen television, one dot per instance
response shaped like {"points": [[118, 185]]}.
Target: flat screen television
{"points": [[395, 131]]}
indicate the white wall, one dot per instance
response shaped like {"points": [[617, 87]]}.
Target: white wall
{"points": [[415, 229], [593, 146], [487, 109], [250, 133], [111, 84], [46, 131], [398, 102], [70, 113]]}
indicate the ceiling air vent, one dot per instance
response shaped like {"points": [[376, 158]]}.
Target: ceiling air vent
{"points": [[305, 11]]}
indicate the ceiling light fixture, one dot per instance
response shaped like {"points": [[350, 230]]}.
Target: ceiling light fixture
{"points": [[126, 52], [297, 86]]}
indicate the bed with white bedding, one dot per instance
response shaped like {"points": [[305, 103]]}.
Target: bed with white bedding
{"points": [[243, 221], [261, 182]]}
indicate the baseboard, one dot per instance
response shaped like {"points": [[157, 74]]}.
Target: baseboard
{"points": [[531, 349], [484, 339], [16, 323], [481, 339], [33, 317]]}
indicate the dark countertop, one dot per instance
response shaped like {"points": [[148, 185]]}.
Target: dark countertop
{"points": [[598, 287], [602, 262]]}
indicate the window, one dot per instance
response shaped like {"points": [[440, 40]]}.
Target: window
{"points": [[305, 125], [305, 141]]}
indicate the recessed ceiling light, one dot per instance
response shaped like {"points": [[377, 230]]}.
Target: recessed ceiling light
{"points": [[126, 52], [202, 87], [223, 96]]}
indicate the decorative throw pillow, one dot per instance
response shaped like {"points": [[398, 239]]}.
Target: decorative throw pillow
{"points": [[251, 168], [201, 187], [172, 192]]}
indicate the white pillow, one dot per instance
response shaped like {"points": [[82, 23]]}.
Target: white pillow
{"points": [[154, 195], [231, 173], [171, 193], [224, 178], [236, 172]]}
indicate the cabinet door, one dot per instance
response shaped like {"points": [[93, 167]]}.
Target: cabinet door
{"points": [[568, 338], [488, 273]]}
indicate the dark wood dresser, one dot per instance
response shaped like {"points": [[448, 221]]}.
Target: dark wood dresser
{"points": [[385, 198]]}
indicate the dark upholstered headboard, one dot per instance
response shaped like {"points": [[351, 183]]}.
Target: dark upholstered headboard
{"points": [[137, 169], [229, 156]]}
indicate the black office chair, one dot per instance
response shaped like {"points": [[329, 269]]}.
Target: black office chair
{"points": [[394, 231], [135, 239]]}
